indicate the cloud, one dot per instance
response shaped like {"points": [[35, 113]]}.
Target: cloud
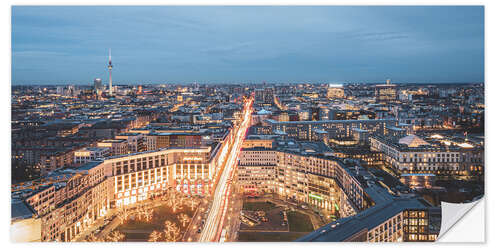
{"points": [[34, 53], [162, 43], [231, 48], [374, 36]]}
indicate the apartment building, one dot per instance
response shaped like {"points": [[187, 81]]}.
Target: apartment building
{"points": [[52, 160], [257, 170], [85, 155], [72, 199], [257, 141], [137, 176], [306, 172], [116, 146], [156, 141], [304, 130], [136, 141], [411, 154], [302, 172]]}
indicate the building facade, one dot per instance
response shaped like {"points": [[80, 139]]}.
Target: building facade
{"points": [[75, 198], [304, 130]]}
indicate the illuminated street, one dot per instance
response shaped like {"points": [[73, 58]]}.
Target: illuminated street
{"points": [[213, 226]]}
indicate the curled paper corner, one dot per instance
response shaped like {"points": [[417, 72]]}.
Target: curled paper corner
{"points": [[452, 213]]}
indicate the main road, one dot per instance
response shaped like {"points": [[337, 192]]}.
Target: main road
{"points": [[217, 212]]}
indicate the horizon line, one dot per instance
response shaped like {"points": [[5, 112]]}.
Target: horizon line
{"points": [[235, 83]]}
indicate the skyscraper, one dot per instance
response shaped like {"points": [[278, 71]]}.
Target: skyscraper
{"points": [[110, 67], [97, 84]]}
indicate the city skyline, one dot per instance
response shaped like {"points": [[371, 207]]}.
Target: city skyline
{"points": [[285, 44]]}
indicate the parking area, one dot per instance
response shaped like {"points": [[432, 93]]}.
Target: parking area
{"points": [[260, 220]]}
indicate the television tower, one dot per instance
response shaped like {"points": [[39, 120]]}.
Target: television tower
{"points": [[110, 67]]}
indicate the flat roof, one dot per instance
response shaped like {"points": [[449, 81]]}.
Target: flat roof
{"points": [[329, 121], [176, 133], [420, 174], [157, 150], [20, 210], [89, 165]]}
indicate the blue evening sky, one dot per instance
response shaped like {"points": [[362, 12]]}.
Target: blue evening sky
{"points": [[180, 44]]}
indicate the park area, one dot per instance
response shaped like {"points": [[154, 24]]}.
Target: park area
{"points": [[166, 219]]}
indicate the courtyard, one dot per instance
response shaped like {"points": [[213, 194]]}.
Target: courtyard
{"points": [[273, 222]]}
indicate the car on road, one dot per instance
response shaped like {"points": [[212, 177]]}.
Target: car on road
{"points": [[304, 207], [199, 230]]}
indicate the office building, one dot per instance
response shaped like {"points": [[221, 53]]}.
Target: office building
{"points": [[97, 84], [385, 92]]}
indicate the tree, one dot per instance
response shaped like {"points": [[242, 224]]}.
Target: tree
{"points": [[144, 213], [148, 214], [193, 203], [183, 218], [171, 231], [123, 215], [93, 238], [174, 203], [115, 236], [154, 236]]}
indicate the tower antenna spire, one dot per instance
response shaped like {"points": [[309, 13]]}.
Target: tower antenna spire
{"points": [[110, 67]]}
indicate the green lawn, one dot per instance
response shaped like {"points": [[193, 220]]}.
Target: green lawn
{"points": [[299, 222], [254, 206], [268, 236]]}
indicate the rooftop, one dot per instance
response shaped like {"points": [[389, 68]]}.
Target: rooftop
{"points": [[271, 121], [20, 210], [413, 141], [344, 228]]}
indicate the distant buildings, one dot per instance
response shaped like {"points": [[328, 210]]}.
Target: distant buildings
{"points": [[335, 91], [85, 155], [385, 92], [136, 141], [264, 96], [411, 154], [311, 130], [97, 84], [115, 146]]}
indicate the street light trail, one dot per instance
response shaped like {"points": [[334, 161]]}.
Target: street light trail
{"points": [[213, 224]]}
